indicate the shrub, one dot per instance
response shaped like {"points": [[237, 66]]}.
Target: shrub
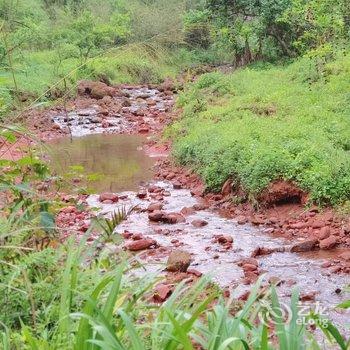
{"points": [[259, 125]]}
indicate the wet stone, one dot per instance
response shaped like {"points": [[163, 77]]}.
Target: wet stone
{"points": [[179, 260], [199, 223]]}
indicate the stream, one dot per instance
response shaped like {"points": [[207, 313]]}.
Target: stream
{"points": [[120, 165]]}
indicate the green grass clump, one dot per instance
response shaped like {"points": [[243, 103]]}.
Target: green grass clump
{"points": [[258, 125]]}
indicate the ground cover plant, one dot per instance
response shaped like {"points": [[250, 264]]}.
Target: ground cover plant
{"points": [[265, 123]]}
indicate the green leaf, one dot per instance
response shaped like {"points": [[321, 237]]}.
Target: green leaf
{"points": [[344, 305]]}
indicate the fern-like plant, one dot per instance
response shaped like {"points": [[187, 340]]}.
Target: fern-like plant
{"points": [[108, 225]]}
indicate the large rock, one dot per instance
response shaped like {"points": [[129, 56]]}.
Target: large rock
{"points": [[179, 260], [305, 246], [328, 243], [167, 218], [173, 218], [107, 196], [95, 89]]}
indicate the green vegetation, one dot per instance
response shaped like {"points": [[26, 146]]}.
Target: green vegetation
{"points": [[261, 124], [283, 113]]}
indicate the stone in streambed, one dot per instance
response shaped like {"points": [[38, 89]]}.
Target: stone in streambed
{"points": [[305, 246], [177, 186], [224, 239], [199, 223], [108, 197], [155, 206], [141, 194], [178, 261], [156, 215], [187, 211], [140, 244], [161, 292], [173, 218], [167, 218]]}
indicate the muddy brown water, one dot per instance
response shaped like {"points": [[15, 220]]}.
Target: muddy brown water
{"points": [[125, 167], [114, 163]]}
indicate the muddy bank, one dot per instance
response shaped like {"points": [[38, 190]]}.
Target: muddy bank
{"points": [[311, 228]]}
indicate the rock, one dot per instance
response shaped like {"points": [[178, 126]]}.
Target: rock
{"points": [[177, 186], [173, 218], [241, 220], [318, 223], [194, 272], [345, 256], [298, 225], [167, 85], [127, 234], [95, 89], [304, 246], [156, 215], [199, 207], [68, 210], [136, 236], [140, 244], [141, 194], [179, 260], [144, 130], [161, 293], [324, 232], [249, 267], [258, 251], [326, 264], [307, 296], [155, 206], [224, 239], [250, 261], [197, 191], [256, 220], [328, 243], [250, 277], [187, 211], [108, 197], [226, 188], [199, 223]]}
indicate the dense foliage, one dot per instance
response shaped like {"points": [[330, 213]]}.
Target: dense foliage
{"points": [[263, 124]]}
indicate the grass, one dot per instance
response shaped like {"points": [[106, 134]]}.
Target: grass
{"points": [[97, 308], [49, 75], [260, 124]]}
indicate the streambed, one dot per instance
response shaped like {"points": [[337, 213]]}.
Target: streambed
{"points": [[126, 169]]}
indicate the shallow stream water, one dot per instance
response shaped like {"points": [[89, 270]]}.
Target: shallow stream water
{"points": [[125, 167], [113, 163]]}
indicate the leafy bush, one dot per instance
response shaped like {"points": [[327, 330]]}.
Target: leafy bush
{"points": [[259, 125]]}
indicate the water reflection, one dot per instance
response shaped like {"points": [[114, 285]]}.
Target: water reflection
{"points": [[116, 159]]}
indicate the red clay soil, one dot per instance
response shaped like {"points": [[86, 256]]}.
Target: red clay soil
{"points": [[282, 213]]}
